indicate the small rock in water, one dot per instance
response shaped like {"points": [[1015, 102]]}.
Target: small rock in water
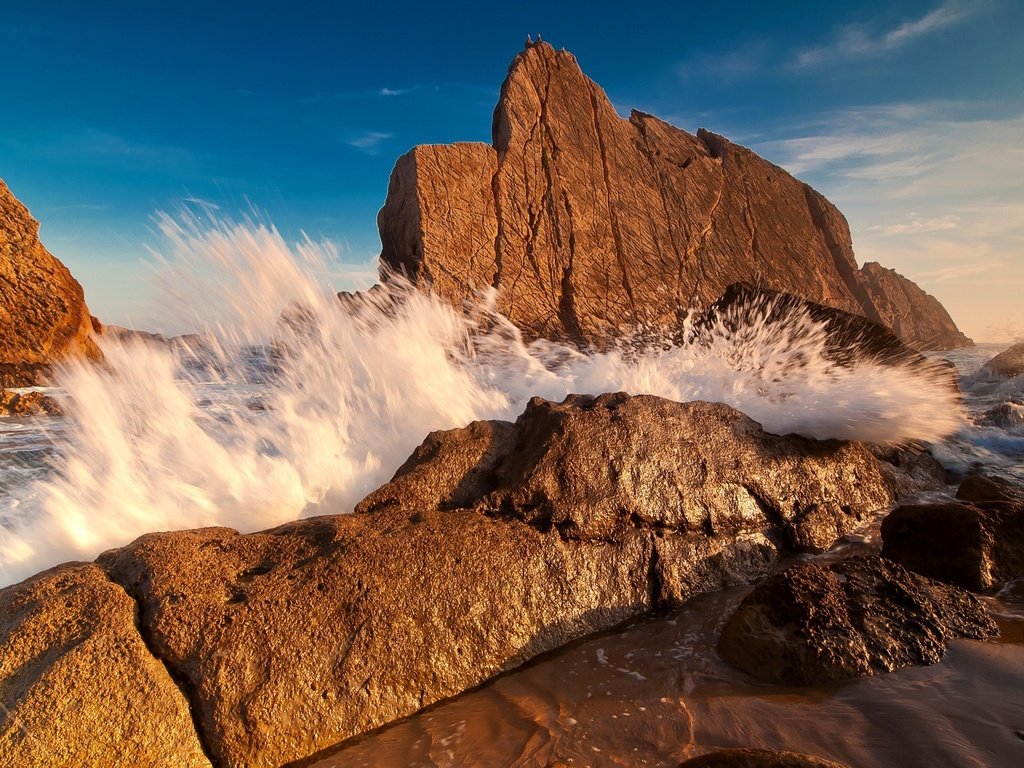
{"points": [[1007, 364], [816, 623], [1009, 415]]}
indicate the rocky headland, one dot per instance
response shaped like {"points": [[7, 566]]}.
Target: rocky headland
{"points": [[43, 316], [590, 225]]}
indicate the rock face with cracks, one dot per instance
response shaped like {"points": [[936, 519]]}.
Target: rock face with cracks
{"points": [[78, 684], [817, 623], [591, 225], [494, 543], [43, 317]]}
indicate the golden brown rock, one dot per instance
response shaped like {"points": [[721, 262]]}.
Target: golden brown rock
{"points": [[917, 317], [43, 317], [78, 684], [590, 225]]}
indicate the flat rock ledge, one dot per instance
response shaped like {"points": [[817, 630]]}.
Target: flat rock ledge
{"points": [[816, 623], [494, 543]]}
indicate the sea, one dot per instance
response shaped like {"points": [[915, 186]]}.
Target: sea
{"points": [[281, 406]]}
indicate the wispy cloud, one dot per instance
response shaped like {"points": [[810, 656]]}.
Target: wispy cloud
{"points": [[931, 189], [370, 141], [392, 91], [870, 39], [115, 149]]}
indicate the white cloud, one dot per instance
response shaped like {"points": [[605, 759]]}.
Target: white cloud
{"points": [[391, 91], [932, 190], [866, 39], [370, 141]]}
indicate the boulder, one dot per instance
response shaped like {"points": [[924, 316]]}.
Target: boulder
{"points": [[817, 623], [1008, 416], [1007, 364], [28, 404], [43, 316], [590, 225], [977, 544], [78, 686], [917, 317], [757, 758], [494, 543]]}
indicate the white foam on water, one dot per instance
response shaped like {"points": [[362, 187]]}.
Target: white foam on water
{"points": [[149, 449]]}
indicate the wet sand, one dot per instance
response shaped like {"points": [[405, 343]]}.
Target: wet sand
{"points": [[655, 693]]}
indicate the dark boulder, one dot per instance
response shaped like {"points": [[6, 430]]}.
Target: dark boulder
{"points": [[817, 623], [976, 544], [1007, 364], [757, 758]]}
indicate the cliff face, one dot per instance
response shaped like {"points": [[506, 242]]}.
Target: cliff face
{"points": [[916, 316], [590, 224], [43, 316]]}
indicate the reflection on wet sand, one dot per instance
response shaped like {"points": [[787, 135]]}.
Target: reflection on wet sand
{"points": [[655, 693]]}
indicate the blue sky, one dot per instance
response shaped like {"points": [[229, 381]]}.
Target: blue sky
{"points": [[908, 115]]}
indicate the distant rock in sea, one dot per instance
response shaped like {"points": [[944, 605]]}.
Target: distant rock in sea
{"points": [[591, 225], [43, 316], [1007, 364]]}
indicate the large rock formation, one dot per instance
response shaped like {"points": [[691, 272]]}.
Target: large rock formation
{"points": [[815, 623], [912, 314], [43, 317], [494, 543], [78, 686], [590, 224]]}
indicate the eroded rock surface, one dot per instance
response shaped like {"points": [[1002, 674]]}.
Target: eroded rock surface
{"points": [[28, 404], [78, 686], [917, 317], [43, 316], [816, 623], [758, 758], [590, 225], [494, 543]]}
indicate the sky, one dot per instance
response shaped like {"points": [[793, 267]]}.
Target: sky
{"points": [[909, 116]]}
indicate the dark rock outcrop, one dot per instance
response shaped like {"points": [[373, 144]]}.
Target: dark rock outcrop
{"points": [[494, 543], [591, 225], [78, 686], [1007, 364], [917, 317], [817, 623], [43, 317], [757, 758], [976, 542]]}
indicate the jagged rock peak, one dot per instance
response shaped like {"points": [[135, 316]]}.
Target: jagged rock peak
{"points": [[590, 224]]}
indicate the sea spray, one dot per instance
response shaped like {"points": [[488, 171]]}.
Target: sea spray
{"points": [[287, 405]]}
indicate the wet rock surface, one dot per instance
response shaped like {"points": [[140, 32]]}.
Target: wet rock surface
{"points": [[43, 316], [757, 758], [78, 684], [975, 541], [591, 225], [28, 404], [493, 544], [815, 623], [1007, 364]]}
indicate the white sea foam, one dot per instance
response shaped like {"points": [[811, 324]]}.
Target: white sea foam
{"points": [[148, 448]]}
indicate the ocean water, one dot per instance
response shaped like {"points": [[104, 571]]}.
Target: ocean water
{"points": [[259, 421]]}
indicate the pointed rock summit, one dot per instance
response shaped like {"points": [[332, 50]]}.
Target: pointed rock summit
{"points": [[43, 316], [590, 224]]}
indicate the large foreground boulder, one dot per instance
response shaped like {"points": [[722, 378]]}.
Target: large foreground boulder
{"points": [[43, 317], [78, 686], [591, 225], [977, 544], [818, 623], [494, 543], [757, 758]]}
